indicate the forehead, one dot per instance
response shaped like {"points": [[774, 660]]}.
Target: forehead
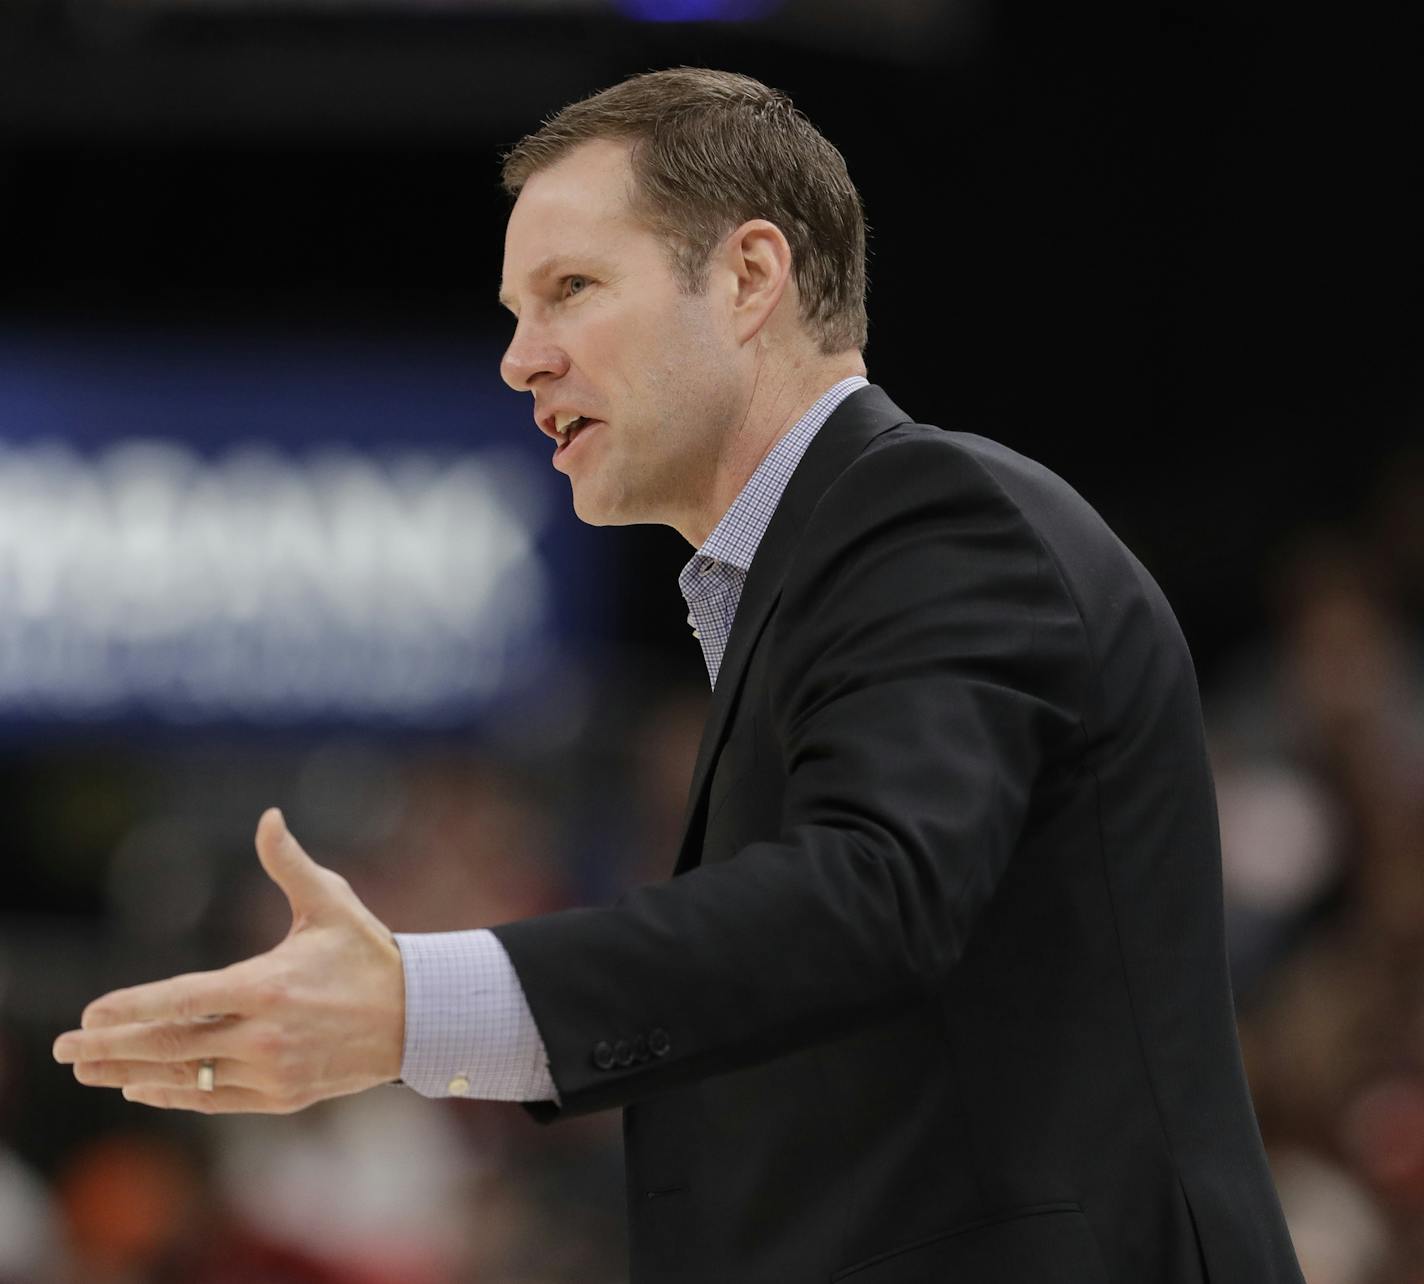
{"points": [[577, 206]]}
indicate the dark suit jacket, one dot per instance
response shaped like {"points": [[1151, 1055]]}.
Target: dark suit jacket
{"points": [[938, 992]]}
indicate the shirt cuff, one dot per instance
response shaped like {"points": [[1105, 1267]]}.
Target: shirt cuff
{"points": [[468, 1028]]}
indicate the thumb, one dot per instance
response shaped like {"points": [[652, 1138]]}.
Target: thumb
{"points": [[306, 884]]}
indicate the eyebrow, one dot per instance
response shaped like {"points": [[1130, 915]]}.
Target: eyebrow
{"points": [[547, 268]]}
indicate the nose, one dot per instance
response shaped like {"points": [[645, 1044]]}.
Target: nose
{"points": [[531, 353]]}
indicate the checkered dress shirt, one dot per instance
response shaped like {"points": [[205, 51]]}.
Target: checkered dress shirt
{"points": [[712, 581], [468, 1028]]}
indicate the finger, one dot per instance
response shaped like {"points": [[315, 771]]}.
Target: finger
{"points": [[310, 888], [190, 997], [162, 1074], [221, 1101], [149, 1041]]}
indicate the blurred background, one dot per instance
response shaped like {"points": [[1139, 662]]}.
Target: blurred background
{"points": [[273, 532]]}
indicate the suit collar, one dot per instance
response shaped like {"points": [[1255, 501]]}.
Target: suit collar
{"points": [[856, 422]]}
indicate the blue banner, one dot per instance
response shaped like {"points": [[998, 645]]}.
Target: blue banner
{"points": [[276, 531]]}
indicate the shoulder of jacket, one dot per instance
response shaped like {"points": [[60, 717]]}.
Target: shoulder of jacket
{"points": [[915, 461]]}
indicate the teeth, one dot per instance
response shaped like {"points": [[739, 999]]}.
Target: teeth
{"points": [[562, 423]]}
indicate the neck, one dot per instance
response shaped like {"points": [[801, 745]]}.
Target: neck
{"points": [[778, 398]]}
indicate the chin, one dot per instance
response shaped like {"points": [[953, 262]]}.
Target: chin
{"points": [[596, 505], [593, 513]]}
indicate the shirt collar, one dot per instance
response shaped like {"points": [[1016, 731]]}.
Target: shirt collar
{"points": [[734, 540]]}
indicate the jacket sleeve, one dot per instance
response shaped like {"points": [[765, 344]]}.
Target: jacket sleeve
{"points": [[926, 660]]}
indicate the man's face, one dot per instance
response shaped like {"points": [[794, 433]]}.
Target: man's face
{"points": [[604, 332]]}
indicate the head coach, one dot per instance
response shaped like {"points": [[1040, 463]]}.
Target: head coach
{"points": [[937, 990]]}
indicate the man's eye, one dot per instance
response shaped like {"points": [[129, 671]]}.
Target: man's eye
{"points": [[571, 281]]}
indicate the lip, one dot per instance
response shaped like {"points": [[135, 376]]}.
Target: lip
{"points": [[563, 451], [546, 421]]}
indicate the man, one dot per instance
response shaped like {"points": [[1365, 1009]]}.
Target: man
{"points": [[938, 989]]}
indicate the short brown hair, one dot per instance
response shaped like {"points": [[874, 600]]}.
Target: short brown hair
{"points": [[711, 149]]}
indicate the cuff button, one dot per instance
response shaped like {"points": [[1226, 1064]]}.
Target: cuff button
{"points": [[458, 1086], [658, 1042], [603, 1054]]}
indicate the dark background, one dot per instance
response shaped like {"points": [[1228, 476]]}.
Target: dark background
{"points": [[1170, 251]]}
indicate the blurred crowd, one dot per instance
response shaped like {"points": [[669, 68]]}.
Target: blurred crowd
{"points": [[385, 1187], [1317, 735]]}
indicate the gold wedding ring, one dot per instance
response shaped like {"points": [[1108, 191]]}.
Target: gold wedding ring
{"points": [[205, 1076]]}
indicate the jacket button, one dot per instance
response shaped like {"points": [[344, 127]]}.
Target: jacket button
{"points": [[603, 1054], [640, 1048], [658, 1042], [623, 1052]]}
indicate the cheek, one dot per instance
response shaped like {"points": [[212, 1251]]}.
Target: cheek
{"points": [[683, 366], [663, 368]]}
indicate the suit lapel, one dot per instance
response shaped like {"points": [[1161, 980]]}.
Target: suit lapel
{"points": [[857, 421]]}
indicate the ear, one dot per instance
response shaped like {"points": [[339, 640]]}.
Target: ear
{"points": [[758, 257]]}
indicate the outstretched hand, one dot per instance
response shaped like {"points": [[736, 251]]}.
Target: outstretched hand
{"points": [[320, 1015]]}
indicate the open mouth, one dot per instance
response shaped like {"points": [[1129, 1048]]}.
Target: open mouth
{"points": [[574, 430]]}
